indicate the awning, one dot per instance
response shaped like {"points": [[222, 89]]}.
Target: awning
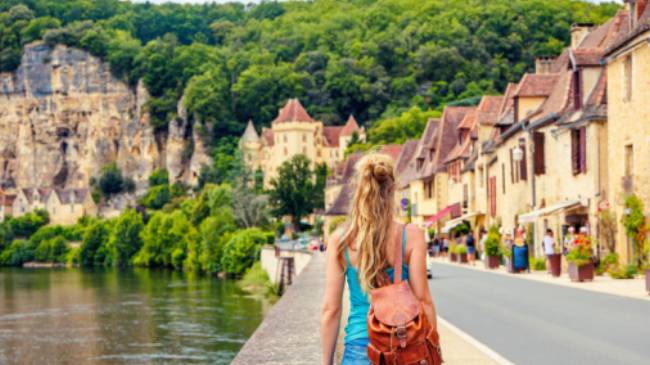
{"points": [[535, 214], [456, 221], [453, 210]]}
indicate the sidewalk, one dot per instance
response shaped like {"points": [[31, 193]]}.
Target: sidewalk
{"points": [[631, 288], [458, 348]]}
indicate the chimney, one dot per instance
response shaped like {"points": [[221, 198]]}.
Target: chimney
{"points": [[543, 65], [578, 32]]}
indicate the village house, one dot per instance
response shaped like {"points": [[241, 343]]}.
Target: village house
{"points": [[628, 108], [65, 207], [295, 132]]}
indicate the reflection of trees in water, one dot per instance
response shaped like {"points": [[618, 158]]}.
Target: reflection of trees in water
{"points": [[127, 316]]}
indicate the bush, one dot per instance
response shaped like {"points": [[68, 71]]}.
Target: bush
{"points": [[164, 240], [461, 249], [112, 182], [256, 281], [16, 254], [27, 224], [92, 250], [493, 242], [52, 250], [625, 272], [156, 197], [242, 250], [125, 238], [609, 261], [159, 177], [538, 263]]}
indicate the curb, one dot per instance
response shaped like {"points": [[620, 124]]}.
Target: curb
{"points": [[476, 343]]}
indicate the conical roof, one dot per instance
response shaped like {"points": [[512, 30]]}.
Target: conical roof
{"points": [[250, 134], [350, 126], [293, 111]]}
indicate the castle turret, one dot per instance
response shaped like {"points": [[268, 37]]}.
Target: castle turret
{"points": [[251, 146]]}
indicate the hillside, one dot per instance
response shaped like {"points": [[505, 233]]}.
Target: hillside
{"points": [[369, 58]]}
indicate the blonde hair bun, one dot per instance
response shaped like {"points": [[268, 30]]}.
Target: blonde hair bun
{"points": [[380, 172]]}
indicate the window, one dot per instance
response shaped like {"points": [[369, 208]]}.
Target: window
{"points": [[419, 163], [428, 189], [304, 137], [285, 151], [577, 89], [304, 150], [523, 164], [539, 163], [318, 153], [465, 196], [629, 160], [285, 138], [627, 78], [492, 193], [481, 176], [579, 150]]}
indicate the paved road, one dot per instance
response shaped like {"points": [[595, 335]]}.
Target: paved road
{"points": [[529, 322]]}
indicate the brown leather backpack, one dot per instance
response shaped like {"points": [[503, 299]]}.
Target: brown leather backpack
{"points": [[398, 329]]}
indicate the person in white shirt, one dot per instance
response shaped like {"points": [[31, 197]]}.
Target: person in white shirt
{"points": [[549, 246]]}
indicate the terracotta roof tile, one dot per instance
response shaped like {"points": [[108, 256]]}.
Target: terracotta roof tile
{"points": [[293, 111], [559, 99], [341, 205], [587, 56], [332, 135], [468, 121], [533, 85], [405, 155], [350, 126], [392, 150], [606, 34], [626, 34]]}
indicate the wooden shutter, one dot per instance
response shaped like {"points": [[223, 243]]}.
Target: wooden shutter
{"points": [[540, 167], [493, 195], [583, 149], [523, 173], [512, 168], [575, 151]]}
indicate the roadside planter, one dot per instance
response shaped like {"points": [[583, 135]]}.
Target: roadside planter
{"points": [[492, 262], [453, 257], [581, 267], [580, 273], [555, 264]]}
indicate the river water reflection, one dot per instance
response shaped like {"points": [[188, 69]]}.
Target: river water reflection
{"points": [[139, 316]]}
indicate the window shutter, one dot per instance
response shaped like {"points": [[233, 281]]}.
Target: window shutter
{"points": [[493, 198], [540, 167], [575, 152], [512, 168], [524, 161], [583, 149]]}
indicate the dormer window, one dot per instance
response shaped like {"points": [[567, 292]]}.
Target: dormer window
{"points": [[420, 163]]}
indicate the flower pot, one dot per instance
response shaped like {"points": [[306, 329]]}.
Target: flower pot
{"points": [[581, 273], [453, 257], [555, 264], [492, 262], [647, 281], [463, 258]]}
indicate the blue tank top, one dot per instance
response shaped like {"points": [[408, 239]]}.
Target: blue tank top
{"points": [[356, 331]]}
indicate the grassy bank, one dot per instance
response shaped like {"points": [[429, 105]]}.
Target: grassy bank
{"points": [[257, 282]]}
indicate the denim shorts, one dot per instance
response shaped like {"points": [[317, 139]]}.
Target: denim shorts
{"points": [[356, 353]]}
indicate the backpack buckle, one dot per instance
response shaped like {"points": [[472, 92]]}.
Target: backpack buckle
{"points": [[400, 332]]}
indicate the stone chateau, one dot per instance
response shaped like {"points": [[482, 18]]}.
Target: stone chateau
{"points": [[556, 149], [295, 132]]}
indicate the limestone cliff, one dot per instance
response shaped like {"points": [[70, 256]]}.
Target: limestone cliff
{"points": [[63, 116]]}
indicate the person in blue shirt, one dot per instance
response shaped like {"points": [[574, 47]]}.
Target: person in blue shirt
{"points": [[362, 254]]}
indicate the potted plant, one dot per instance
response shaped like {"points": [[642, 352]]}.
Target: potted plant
{"points": [[555, 264], [493, 248], [453, 256], [461, 251], [581, 267]]}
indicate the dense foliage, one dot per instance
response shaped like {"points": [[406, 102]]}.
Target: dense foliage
{"points": [[373, 59]]}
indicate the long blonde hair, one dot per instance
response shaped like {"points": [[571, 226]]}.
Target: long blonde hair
{"points": [[371, 218]]}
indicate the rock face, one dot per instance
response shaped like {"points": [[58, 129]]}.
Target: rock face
{"points": [[63, 116]]}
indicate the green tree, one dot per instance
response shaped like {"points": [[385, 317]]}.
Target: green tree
{"points": [[242, 250], [91, 251], [125, 237], [159, 177], [292, 191]]}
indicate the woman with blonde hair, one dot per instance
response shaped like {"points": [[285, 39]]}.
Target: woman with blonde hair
{"points": [[363, 254]]}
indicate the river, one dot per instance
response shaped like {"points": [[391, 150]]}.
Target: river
{"points": [[135, 316]]}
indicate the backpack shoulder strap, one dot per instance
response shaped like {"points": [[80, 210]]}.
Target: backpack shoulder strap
{"points": [[399, 252]]}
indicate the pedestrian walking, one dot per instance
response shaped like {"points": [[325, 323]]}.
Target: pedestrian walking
{"points": [[470, 243], [549, 247], [377, 255], [569, 240]]}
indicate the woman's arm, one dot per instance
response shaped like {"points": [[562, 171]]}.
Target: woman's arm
{"points": [[330, 315], [418, 273]]}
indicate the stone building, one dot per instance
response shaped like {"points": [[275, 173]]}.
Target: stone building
{"points": [[295, 132], [628, 110]]}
